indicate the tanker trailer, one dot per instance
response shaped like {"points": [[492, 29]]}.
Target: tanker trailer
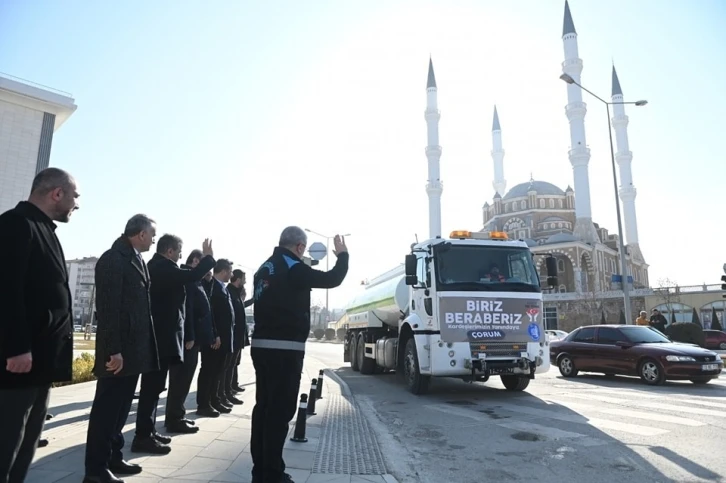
{"points": [[467, 307]]}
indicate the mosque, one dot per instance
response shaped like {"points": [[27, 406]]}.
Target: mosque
{"points": [[556, 221]]}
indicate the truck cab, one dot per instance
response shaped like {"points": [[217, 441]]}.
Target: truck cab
{"points": [[469, 306]]}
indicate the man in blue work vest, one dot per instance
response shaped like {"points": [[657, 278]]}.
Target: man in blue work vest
{"points": [[282, 288]]}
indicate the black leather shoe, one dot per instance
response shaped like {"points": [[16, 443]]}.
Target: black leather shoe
{"points": [[239, 388], [226, 402], [286, 478], [149, 445], [161, 438], [181, 427], [207, 413], [42, 443], [234, 400], [124, 468], [105, 477], [222, 408], [189, 422], [49, 416]]}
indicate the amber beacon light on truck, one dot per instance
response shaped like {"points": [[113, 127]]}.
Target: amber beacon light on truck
{"points": [[477, 235]]}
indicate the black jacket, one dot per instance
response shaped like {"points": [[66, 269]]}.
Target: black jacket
{"points": [[198, 326], [222, 313], [282, 298], [240, 319], [124, 312], [168, 296], [35, 301]]}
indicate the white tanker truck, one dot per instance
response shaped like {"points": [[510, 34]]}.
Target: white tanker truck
{"points": [[468, 307]]}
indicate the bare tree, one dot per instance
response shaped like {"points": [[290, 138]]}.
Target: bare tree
{"points": [[669, 292], [588, 307]]}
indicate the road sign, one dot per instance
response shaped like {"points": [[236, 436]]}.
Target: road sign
{"points": [[317, 251]]}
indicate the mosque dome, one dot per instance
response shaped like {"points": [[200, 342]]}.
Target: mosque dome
{"points": [[541, 187]]}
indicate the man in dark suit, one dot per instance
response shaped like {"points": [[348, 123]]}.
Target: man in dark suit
{"points": [[197, 333], [36, 323], [236, 287], [125, 347], [223, 313], [206, 336], [168, 296]]}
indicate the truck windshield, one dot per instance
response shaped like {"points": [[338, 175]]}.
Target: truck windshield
{"points": [[486, 268]]}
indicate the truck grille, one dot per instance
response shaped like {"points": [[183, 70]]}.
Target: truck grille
{"points": [[497, 349]]}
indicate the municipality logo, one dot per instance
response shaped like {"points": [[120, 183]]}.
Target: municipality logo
{"points": [[533, 313]]}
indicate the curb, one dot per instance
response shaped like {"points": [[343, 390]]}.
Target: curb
{"points": [[345, 389]]}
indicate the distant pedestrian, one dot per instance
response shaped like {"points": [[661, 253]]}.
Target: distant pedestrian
{"points": [[658, 321], [642, 319], [125, 347], [282, 323], [197, 333], [236, 287], [36, 321], [223, 314]]}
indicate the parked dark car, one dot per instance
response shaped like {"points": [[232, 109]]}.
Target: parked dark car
{"points": [[633, 350], [715, 339]]}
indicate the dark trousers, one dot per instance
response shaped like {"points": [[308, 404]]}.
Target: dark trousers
{"points": [[109, 413], [209, 375], [22, 415], [235, 378], [278, 383], [230, 364], [152, 385], [180, 381]]}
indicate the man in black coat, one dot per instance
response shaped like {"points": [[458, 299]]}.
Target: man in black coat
{"points": [[125, 347], [236, 287], [282, 288], [36, 322], [197, 332], [168, 296], [223, 313], [207, 338]]}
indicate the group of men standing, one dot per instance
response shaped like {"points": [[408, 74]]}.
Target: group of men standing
{"points": [[154, 321]]}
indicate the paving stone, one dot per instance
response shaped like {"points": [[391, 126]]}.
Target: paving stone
{"points": [[224, 450]]}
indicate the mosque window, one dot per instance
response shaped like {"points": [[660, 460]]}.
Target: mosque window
{"points": [[523, 205], [506, 208], [541, 203], [552, 203], [560, 265], [559, 225], [561, 204]]}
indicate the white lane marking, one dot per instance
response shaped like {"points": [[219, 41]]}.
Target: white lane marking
{"points": [[629, 413], [652, 405]]}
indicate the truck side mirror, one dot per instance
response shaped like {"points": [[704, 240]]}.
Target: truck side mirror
{"points": [[411, 267], [551, 263]]}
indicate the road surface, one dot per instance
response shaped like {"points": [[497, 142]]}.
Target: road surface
{"points": [[588, 429]]}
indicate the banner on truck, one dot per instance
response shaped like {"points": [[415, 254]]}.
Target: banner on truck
{"points": [[471, 319]]}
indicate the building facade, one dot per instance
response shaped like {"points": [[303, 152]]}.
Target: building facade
{"points": [[82, 283], [29, 116]]}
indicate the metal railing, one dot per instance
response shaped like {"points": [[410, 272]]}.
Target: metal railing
{"points": [[35, 84]]}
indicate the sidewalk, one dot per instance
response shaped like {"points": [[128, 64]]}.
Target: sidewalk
{"points": [[341, 447]]}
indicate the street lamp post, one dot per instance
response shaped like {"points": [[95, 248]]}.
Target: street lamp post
{"points": [[621, 243], [327, 267]]}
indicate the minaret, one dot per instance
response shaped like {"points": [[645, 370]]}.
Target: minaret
{"points": [[434, 187], [624, 158], [499, 183], [579, 152]]}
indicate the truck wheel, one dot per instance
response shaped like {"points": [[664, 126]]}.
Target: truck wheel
{"points": [[365, 364], [416, 382], [353, 353], [515, 383]]}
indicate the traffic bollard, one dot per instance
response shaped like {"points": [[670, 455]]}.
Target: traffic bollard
{"points": [[311, 398], [320, 384], [299, 435]]}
